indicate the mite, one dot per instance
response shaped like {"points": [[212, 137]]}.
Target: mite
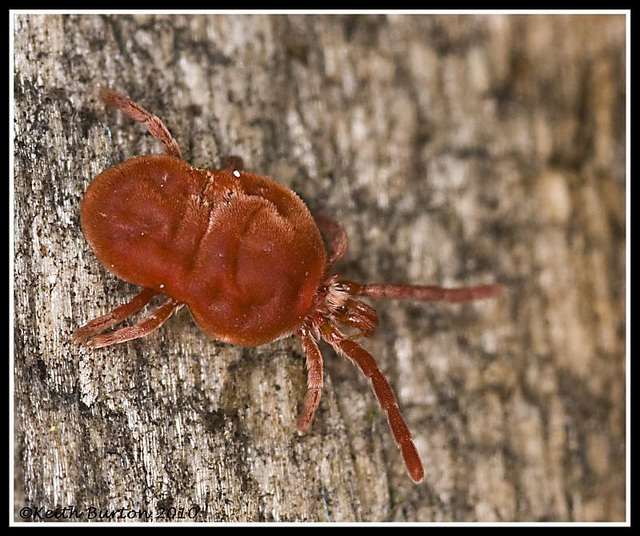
{"points": [[245, 256]]}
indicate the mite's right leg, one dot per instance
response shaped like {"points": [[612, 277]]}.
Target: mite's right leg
{"points": [[155, 125], [384, 394], [119, 314], [359, 315], [314, 379], [141, 329]]}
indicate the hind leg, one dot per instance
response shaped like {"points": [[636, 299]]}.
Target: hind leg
{"points": [[141, 329], [155, 125], [119, 314]]}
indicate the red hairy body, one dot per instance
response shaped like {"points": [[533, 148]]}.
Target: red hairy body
{"points": [[245, 256], [241, 251]]}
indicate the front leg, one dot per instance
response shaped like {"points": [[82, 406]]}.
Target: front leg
{"points": [[386, 398], [423, 293]]}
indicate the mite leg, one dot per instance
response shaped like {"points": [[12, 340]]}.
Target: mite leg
{"points": [[314, 380], [384, 394], [155, 125], [337, 237], [359, 315], [423, 293], [119, 314], [232, 163], [141, 329]]}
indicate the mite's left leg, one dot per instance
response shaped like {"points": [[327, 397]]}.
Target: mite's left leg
{"points": [[336, 235], [155, 125], [422, 293]]}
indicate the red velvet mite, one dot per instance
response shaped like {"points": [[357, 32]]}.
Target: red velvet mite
{"points": [[246, 257]]}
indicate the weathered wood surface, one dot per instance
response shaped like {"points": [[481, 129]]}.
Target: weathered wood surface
{"points": [[455, 150]]}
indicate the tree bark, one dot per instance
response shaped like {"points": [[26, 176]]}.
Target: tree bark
{"points": [[455, 150]]}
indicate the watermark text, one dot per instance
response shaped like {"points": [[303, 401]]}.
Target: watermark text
{"points": [[93, 513]]}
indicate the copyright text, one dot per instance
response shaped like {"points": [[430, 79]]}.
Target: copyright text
{"points": [[38, 513]]}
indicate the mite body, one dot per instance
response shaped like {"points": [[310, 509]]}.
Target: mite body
{"points": [[245, 256], [241, 251]]}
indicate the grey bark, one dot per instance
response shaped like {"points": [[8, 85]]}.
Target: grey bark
{"points": [[454, 149]]}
